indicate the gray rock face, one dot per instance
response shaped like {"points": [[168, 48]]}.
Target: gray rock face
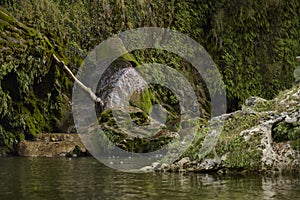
{"points": [[118, 84]]}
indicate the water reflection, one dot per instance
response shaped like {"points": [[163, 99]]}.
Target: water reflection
{"points": [[280, 187], [86, 178]]}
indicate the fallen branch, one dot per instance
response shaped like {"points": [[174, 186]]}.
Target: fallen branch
{"points": [[86, 89]]}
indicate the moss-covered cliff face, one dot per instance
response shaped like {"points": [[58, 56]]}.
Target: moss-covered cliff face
{"points": [[255, 46], [253, 43], [33, 91]]}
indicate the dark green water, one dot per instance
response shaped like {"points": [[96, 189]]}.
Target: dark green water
{"points": [[86, 178]]}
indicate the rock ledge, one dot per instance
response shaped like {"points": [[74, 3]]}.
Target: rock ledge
{"points": [[52, 145]]}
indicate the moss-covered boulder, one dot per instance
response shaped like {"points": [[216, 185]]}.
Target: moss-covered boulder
{"points": [[262, 137], [134, 130]]}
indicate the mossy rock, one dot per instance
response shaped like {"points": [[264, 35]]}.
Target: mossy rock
{"points": [[127, 129], [283, 132]]}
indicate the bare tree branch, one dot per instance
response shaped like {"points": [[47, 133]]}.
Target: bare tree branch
{"points": [[80, 84]]}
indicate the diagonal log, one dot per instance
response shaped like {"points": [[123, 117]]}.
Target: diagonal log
{"points": [[86, 89]]}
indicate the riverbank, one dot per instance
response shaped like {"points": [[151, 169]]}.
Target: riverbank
{"points": [[264, 136]]}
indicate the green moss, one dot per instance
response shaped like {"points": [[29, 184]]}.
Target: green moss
{"points": [[140, 118], [105, 115], [21, 137], [296, 144], [3, 24], [142, 99], [7, 141], [240, 121], [243, 160], [131, 58], [6, 17], [264, 106], [239, 153], [131, 140], [283, 132]]}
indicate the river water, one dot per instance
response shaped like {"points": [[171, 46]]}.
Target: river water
{"points": [[86, 178]]}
